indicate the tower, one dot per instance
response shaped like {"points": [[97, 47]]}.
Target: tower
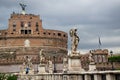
{"points": [[26, 36]]}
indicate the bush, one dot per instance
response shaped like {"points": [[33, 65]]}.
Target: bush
{"points": [[13, 77], [7, 77], [114, 59], [2, 76]]}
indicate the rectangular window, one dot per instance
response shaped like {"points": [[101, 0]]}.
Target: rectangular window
{"points": [[59, 34], [22, 24], [25, 31], [37, 29], [29, 31], [14, 25], [22, 32], [14, 29], [29, 24], [37, 24]]}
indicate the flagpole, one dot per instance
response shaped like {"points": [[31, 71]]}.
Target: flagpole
{"points": [[99, 45]]}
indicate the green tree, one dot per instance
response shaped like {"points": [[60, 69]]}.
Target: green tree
{"points": [[114, 59], [13, 77], [7, 77], [2, 76]]}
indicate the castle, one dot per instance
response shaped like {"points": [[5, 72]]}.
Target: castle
{"points": [[26, 36]]}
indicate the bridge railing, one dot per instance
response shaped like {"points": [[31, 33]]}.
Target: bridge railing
{"points": [[97, 75]]}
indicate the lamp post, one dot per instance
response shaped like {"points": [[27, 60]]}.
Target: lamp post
{"points": [[54, 65], [111, 53]]}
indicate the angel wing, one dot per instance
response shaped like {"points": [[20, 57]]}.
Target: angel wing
{"points": [[22, 6], [71, 32]]}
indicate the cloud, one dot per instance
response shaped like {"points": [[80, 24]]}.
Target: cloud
{"points": [[92, 18], [80, 11], [8, 4]]}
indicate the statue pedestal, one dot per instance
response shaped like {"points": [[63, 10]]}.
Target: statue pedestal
{"points": [[50, 70], [92, 66], [74, 63], [41, 69], [65, 65]]}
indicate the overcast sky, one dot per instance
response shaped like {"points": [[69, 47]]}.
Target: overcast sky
{"points": [[92, 18]]}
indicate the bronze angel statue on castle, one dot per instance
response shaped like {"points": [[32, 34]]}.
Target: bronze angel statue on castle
{"points": [[23, 6]]}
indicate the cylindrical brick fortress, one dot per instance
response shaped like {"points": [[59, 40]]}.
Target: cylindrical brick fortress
{"points": [[25, 36]]}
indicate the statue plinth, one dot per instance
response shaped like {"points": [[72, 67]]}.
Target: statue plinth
{"points": [[41, 69], [50, 66], [23, 12], [74, 62], [92, 66], [74, 54], [50, 70]]}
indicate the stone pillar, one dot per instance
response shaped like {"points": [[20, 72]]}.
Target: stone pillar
{"points": [[74, 63], [60, 77], [87, 77], [65, 65], [36, 77], [80, 77], [64, 77], [50, 67], [97, 77], [92, 67], [110, 77], [52, 77], [41, 69]]}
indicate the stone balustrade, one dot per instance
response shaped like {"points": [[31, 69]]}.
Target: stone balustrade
{"points": [[95, 75]]}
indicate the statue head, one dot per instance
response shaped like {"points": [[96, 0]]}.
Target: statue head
{"points": [[73, 32]]}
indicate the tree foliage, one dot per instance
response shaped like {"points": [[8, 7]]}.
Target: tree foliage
{"points": [[13, 77], [7, 76], [114, 59]]}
